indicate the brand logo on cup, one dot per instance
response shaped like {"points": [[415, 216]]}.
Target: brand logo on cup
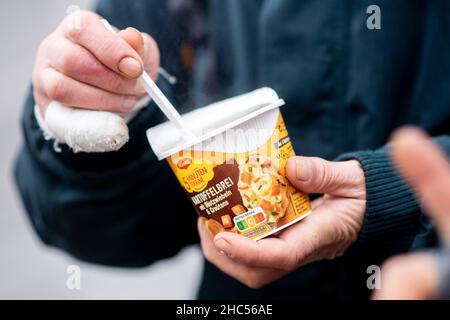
{"points": [[183, 164]]}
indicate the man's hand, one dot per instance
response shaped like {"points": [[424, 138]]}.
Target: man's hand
{"points": [[426, 169], [82, 64], [333, 226]]}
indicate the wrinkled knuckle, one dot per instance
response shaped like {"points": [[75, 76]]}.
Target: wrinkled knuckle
{"points": [[356, 168], [114, 52], [251, 259], [67, 61], [296, 259], [121, 85], [76, 24], [56, 88], [289, 262], [139, 90], [248, 259], [88, 68], [321, 172], [129, 103], [116, 86]]}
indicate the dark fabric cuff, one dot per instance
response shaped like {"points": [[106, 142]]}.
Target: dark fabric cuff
{"points": [[392, 217]]}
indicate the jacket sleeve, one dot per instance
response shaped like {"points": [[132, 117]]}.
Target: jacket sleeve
{"points": [[121, 209], [394, 221]]}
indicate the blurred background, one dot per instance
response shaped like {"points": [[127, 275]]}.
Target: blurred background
{"points": [[28, 269]]}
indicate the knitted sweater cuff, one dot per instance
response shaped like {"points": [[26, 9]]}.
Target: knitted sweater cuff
{"points": [[392, 216]]}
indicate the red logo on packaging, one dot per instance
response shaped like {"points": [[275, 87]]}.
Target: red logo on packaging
{"points": [[184, 163]]}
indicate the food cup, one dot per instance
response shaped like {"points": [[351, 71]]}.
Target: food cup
{"points": [[234, 172]]}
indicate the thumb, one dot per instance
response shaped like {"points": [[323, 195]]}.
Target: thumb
{"points": [[426, 168], [409, 277], [316, 175], [146, 47]]}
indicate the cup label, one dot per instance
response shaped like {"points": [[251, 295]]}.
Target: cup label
{"points": [[246, 192]]}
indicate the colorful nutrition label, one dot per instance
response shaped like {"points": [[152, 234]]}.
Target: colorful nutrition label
{"points": [[250, 219]]}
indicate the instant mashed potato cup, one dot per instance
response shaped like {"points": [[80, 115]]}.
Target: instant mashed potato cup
{"points": [[234, 173]]}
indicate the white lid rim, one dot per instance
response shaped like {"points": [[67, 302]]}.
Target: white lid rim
{"points": [[164, 155]]}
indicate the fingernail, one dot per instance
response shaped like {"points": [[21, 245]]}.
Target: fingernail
{"points": [[223, 246], [135, 30], [130, 67], [303, 169]]}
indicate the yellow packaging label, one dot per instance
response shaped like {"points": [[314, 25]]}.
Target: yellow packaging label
{"points": [[196, 176], [244, 192]]}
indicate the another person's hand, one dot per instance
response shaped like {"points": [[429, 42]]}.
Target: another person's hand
{"points": [[82, 64], [326, 234], [426, 168]]}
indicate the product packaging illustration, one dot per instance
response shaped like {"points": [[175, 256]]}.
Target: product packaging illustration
{"points": [[234, 173]]}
